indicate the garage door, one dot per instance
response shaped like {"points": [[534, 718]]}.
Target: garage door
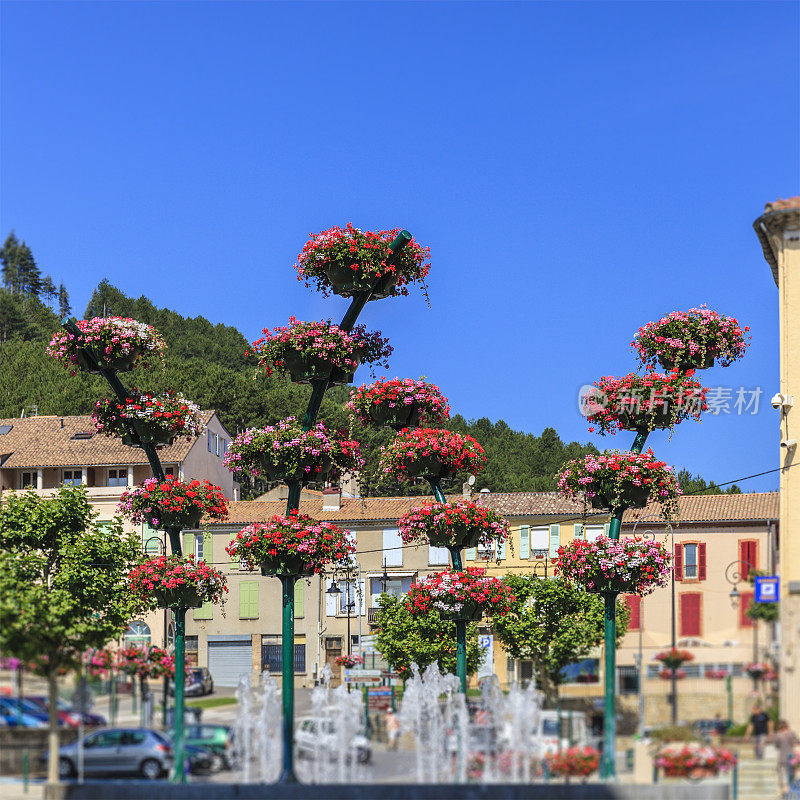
{"points": [[230, 658]]}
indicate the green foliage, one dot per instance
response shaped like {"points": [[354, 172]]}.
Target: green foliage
{"points": [[553, 624], [404, 639], [767, 612], [694, 484]]}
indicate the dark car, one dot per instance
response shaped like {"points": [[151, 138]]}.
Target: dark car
{"points": [[198, 682], [66, 715], [216, 738]]}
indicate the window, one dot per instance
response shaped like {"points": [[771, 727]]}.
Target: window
{"points": [[118, 476], [169, 471], [198, 546], [585, 671], [634, 603], [395, 586], [540, 542], [689, 561], [138, 632], [593, 532], [438, 555], [72, 477], [628, 680], [272, 657], [224, 448], [392, 547], [745, 601], [347, 597], [210, 442], [689, 603], [28, 480]]}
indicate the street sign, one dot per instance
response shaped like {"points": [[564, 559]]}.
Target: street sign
{"points": [[767, 589], [379, 699], [362, 676]]}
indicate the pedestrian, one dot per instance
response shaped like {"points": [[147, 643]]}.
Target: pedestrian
{"points": [[785, 742], [392, 729], [758, 729]]}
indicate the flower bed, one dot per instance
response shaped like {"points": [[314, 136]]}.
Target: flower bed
{"points": [[666, 674], [630, 566], [290, 545], [674, 658], [693, 760], [465, 595], [692, 339], [348, 662], [461, 524], [172, 503], [347, 260], [574, 762], [757, 670], [617, 480], [431, 453], [172, 581], [320, 351], [286, 452], [157, 419], [644, 402], [115, 343], [399, 404]]}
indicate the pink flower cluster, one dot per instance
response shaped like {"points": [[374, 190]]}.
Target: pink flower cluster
{"points": [[424, 399], [680, 761], [167, 573], [451, 593], [453, 452], [452, 522], [146, 662], [170, 412], [153, 499]]}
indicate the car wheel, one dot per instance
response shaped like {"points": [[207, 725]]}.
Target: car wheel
{"points": [[66, 769], [364, 756], [217, 762], [150, 769]]}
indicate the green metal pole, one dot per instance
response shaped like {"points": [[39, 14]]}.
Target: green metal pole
{"points": [[287, 680], [179, 775], [609, 713], [461, 625]]}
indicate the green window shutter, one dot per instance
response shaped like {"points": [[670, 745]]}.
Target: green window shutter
{"points": [[208, 547], [188, 544], [606, 528], [501, 551], [524, 541], [299, 599], [579, 534], [555, 540], [248, 600], [206, 611], [470, 554]]}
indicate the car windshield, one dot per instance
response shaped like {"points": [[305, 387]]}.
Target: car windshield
{"points": [[549, 727], [197, 674]]}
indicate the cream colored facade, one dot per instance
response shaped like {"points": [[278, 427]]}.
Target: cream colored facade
{"points": [[778, 230]]}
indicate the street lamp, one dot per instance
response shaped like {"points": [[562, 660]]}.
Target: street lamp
{"points": [[153, 543], [335, 589], [735, 573]]}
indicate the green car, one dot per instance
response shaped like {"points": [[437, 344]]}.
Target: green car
{"points": [[216, 738]]}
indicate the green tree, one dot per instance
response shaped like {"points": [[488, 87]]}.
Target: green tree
{"points": [[404, 639], [553, 624], [64, 308], [49, 291], [63, 586], [9, 257], [694, 484], [29, 275]]}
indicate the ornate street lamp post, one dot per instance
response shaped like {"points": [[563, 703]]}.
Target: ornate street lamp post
{"points": [[735, 573]]}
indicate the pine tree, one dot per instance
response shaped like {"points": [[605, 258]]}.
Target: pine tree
{"points": [[30, 278], [49, 290], [64, 308], [9, 255]]}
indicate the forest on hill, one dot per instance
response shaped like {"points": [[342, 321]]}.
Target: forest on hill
{"points": [[209, 364]]}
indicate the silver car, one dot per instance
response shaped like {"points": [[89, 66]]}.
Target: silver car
{"points": [[119, 751]]}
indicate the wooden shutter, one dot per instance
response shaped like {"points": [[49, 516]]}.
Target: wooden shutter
{"points": [[748, 554], [701, 561], [578, 532], [606, 528], [299, 599], [745, 601], [392, 547], [248, 600], [501, 551], [524, 541], [208, 547], [690, 614], [634, 603], [331, 601], [188, 544], [555, 540], [678, 562]]}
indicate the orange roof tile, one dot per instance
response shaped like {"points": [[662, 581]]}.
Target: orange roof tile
{"points": [[717, 508]]}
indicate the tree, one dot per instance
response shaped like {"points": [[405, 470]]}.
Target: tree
{"points": [[29, 276], [553, 624], [64, 308], [49, 290], [694, 484], [405, 639], [63, 586], [9, 256]]}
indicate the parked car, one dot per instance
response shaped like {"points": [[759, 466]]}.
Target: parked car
{"points": [[198, 682], [66, 715], [11, 719], [574, 733], [216, 738], [201, 759], [9, 706], [119, 751], [314, 736]]}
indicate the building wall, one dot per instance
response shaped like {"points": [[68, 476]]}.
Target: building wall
{"points": [[203, 463]]}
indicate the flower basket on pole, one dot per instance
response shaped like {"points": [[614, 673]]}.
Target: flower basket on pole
{"points": [[461, 524], [431, 453], [757, 670], [398, 404], [574, 762], [177, 582], [674, 658]]}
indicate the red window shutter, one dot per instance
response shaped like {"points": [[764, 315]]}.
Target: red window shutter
{"points": [[745, 601], [753, 554], [678, 562], [690, 613], [748, 556], [701, 561], [634, 603]]}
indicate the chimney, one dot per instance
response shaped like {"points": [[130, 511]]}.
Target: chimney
{"points": [[331, 498], [283, 492], [466, 490]]}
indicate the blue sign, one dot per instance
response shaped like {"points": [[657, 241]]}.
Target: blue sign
{"points": [[767, 589]]}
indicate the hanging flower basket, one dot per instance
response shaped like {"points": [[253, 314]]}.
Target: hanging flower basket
{"points": [[693, 761], [716, 674], [465, 595], [98, 662], [320, 351], [172, 503], [286, 452], [461, 524], [290, 545], [757, 670], [620, 480], [666, 674], [147, 661], [623, 566], [431, 453], [347, 260], [398, 404], [674, 658], [643, 402], [574, 762], [157, 419], [175, 582], [113, 343], [348, 662], [692, 339]]}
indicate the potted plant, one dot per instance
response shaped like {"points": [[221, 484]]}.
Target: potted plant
{"points": [[399, 404], [465, 595], [459, 524], [156, 419], [177, 582], [172, 503], [643, 402], [757, 670], [674, 658], [693, 761], [347, 260], [320, 351], [294, 544], [574, 762], [629, 566], [692, 339], [431, 453], [621, 479], [112, 343], [99, 662], [716, 674], [288, 453], [348, 661]]}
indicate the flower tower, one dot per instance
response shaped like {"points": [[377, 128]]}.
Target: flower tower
{"points": [[681, 343]]}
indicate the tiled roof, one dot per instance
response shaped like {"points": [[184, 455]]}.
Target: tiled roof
{"points": [[777, 216], [783, 205], [717, 508], [47, 442]]}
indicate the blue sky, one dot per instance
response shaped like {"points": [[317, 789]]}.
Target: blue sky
{"points": [[576, 168]]}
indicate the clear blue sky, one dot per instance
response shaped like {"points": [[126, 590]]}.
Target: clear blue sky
{"points": [[576, 168]]}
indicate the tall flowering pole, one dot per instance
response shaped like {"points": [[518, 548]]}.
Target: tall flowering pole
{"points": [[680, 342]]}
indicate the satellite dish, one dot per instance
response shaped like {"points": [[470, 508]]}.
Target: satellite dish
{"points": [[471, 480]]}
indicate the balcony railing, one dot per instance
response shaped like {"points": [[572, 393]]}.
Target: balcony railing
{"points": [[372, 616]]}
